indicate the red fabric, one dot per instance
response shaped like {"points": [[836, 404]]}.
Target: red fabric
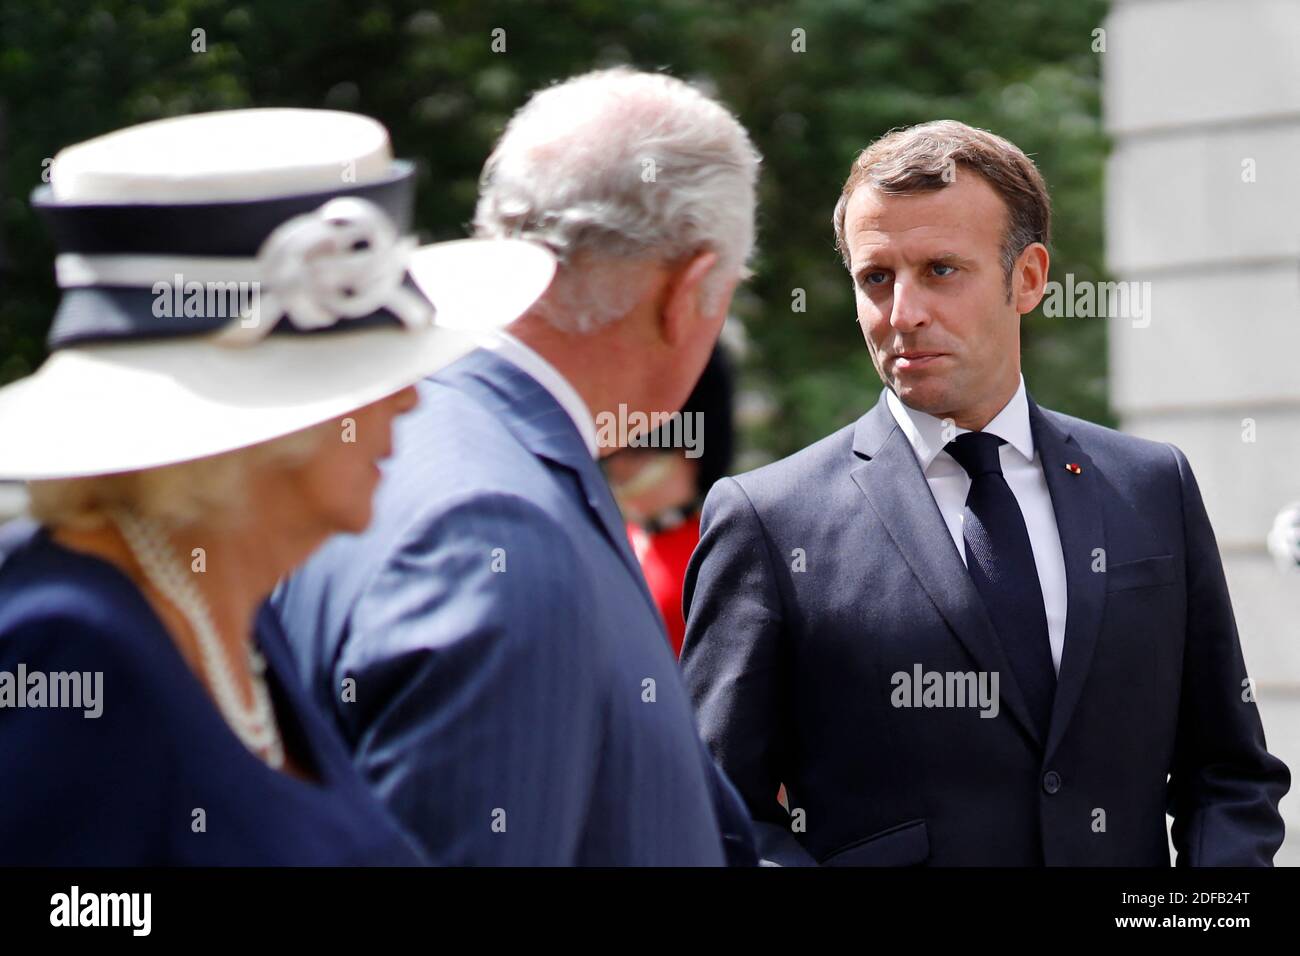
{"points": [[663, 558]]}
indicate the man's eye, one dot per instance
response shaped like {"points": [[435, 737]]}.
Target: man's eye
{"points": [[938, 266], [875, 278]]}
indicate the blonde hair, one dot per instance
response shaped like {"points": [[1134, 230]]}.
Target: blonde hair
{"points": [[176, 495]]}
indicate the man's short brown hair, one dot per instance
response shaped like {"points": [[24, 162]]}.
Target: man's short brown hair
{"points": [[926, 157]]}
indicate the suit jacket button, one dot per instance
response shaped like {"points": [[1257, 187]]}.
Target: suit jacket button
{"points": [[1051, 781]]}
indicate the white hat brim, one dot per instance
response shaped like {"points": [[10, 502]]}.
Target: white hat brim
{"points": [[106, 408]]}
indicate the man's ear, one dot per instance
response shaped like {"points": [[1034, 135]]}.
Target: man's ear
{"points": [[1029, 278], [682, 297]]}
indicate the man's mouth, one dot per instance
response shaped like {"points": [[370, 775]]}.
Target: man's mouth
{"points": [[913, 360]]}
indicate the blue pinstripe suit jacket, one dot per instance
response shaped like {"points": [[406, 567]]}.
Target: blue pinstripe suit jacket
{"points": [[491, 653]]}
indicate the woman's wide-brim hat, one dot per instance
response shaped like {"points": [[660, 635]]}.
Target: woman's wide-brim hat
{"points": [[229, 278]]}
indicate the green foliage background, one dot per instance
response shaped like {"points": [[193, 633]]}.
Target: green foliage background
{"points": [[1023, 68]]}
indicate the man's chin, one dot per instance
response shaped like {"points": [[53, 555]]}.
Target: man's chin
{"points": [[928, 397]]}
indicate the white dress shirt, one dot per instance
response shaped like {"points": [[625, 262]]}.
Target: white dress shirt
{"points": [[548, 376], [1023, 471]]}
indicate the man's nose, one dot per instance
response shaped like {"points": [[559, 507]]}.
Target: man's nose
{"points": [[909, 309]]}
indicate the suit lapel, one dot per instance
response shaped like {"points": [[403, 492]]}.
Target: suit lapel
{"points": [[1076, 500], [543, 427], [601, 501], [892, 480]]}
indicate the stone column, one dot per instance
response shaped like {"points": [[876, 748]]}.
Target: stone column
{"points": [[1202, 100]]}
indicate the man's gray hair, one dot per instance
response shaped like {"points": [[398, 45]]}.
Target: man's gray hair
{"points": [[614, 170]]}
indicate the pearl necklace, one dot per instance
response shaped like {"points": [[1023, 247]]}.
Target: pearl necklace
{"points": [[254, 726]]}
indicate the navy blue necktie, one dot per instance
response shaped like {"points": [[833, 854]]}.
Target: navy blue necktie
{"points": [[1001, 564]]}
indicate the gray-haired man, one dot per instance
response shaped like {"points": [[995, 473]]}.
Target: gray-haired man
{"points": [[515, 698]]}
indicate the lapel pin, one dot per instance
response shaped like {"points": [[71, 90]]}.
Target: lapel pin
{"points": [[1074, 469]]}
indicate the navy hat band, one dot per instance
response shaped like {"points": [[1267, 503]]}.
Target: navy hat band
{"points": [[337, 257], [235, 228]]}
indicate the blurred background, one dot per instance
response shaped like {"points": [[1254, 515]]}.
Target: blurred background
{"points": [[70, 70], [1168, 132]]}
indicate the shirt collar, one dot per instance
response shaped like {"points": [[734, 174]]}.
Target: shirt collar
{"points": [[529, 361], [925, 433]]}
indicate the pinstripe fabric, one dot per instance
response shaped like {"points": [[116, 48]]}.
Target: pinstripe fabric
{"points": [[515, 701]]}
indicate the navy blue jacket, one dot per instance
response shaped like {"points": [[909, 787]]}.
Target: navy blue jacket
{"points": [[157, 778], [821, 576], [490, 650]]}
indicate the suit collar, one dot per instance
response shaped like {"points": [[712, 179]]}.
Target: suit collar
{"points": [[536, 419], [548, 376], [875, 427], [522, 404], [889, 475], [928, 435]]}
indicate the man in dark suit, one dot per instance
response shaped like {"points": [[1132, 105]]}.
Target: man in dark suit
{"points": [[966, 629], [488, 646]]}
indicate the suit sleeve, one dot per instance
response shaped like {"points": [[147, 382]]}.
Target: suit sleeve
{"points": [[1225, 786], [733, 661], [476, 707]]}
